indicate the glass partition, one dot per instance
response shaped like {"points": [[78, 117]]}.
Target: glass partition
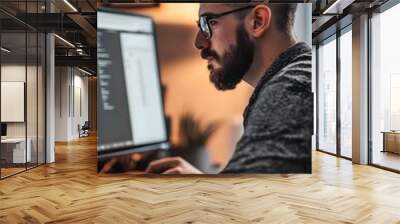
{"points": [[32, 86], [327, 95], [22, 67], [346, 93], [385, 89], [13, 105], [31, 100]]}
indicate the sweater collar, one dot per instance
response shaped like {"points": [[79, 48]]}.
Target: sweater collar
{"points": [[280, 62]]}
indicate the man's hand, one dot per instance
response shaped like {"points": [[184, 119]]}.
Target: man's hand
{"points": [[127, 162], [172, 165]]}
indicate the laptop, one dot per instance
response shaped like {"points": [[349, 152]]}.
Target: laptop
{"points": [[131, 116]]}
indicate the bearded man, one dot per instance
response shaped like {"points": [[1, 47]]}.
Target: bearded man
{"points": [[254, 42]]}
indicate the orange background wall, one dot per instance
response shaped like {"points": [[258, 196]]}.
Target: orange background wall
{"points": [[187, 79]]}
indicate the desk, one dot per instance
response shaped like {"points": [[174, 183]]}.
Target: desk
{"points": [[391, 141], [15, 148]]}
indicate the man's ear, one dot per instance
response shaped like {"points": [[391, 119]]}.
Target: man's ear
{"points": [[261, 20]]}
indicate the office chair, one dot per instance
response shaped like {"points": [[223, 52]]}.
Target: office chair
{"points": [[84, 130]]}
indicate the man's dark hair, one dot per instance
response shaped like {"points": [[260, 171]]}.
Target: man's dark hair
{"points": [[282, 13]]}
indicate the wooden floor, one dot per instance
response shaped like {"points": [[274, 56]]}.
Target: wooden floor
{"points": [[10, 171], [5, 172], [70, 191]]}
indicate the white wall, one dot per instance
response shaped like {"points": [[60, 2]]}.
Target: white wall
{"points": [[62, 81], [70, 88], [12, 73], [80, 89]]}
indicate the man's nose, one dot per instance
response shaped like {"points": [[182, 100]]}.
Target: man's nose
{"points": [[201, 41]]}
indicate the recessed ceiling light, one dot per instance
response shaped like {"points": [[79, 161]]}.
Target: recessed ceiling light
{"points": [[70, 5], [5, 50], [338, 6], [329, 9], [65, 41], [84, 71]]}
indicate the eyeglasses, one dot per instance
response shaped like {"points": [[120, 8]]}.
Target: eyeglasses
{"points": [[204, 24]]}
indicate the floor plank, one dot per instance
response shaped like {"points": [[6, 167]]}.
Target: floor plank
{"points": [[70, 191]]}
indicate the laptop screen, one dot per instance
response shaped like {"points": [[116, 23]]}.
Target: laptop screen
{"points": [[130, 105]]}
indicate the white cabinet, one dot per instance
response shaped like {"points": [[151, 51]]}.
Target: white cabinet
{"points": [[17, 145]]}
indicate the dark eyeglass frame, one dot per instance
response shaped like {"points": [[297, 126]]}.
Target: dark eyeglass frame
{"points": [[203, 22]]}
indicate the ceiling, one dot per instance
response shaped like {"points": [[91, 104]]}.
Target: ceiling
{"points": [[331, 15], [72, 20]]}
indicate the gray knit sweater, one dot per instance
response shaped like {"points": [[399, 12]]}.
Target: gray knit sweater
{"points": [[278, 121]]}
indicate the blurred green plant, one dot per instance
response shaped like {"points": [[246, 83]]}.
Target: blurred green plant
{"points": [[192, 134]]}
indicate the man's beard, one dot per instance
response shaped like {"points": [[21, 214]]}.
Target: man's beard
{"points": [[235, 63]]}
